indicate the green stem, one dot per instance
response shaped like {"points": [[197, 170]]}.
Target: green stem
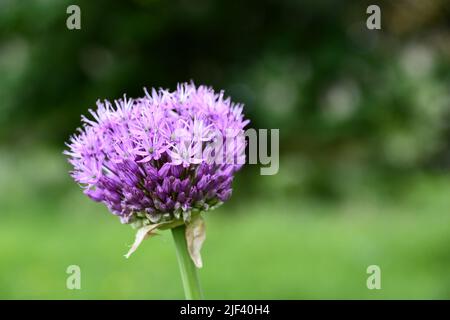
{"points": [[188, 271]]}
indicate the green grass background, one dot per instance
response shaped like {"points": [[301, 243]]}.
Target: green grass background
{"points": [[264, 248]]}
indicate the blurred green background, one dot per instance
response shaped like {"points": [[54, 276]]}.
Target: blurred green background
{"points": [[364, 146]]}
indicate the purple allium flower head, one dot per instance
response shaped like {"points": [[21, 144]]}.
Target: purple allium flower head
{"points": [[160, 157]]}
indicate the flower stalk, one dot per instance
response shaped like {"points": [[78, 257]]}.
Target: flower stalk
{"points": [[188, 271]]}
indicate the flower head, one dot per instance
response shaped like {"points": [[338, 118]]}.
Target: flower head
{"points": [[161, 157]]}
